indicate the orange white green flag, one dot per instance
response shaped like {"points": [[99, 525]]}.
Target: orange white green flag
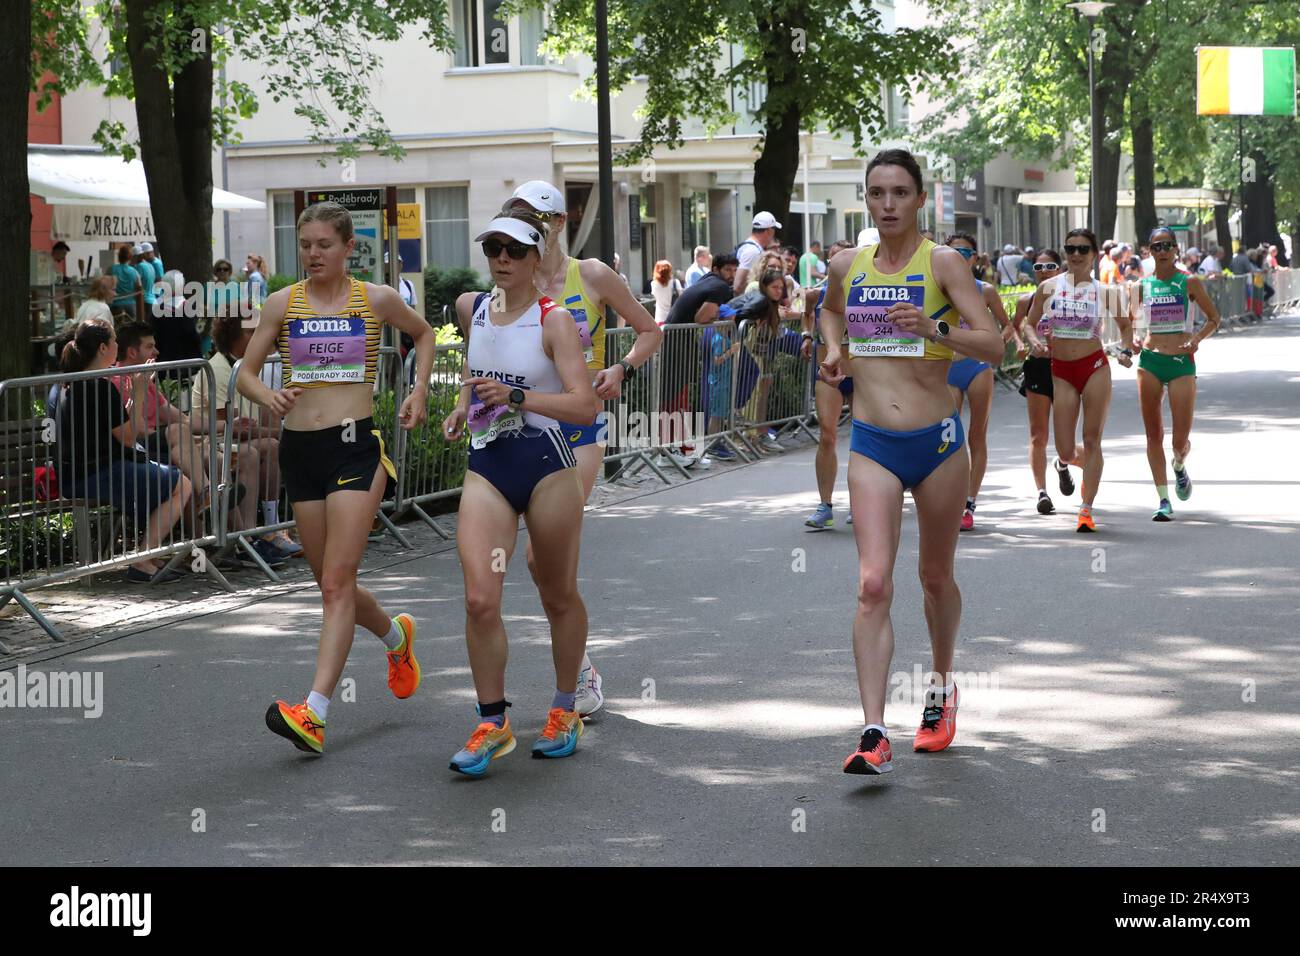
{"points": [[1245, 81]]}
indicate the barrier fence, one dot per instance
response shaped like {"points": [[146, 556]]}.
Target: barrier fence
{"points": [[194, 474]]}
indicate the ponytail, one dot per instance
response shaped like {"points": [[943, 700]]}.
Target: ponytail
{"points": [[81, 351]]}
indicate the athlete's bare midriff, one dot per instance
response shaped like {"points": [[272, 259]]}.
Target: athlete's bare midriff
{"points": [[327, 407], [900, 394], [1066, 350], [1168, 343]]}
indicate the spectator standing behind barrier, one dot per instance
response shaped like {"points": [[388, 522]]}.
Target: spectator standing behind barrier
{"points": [[722, 349], [811, 267], [665, 288], [699, 267], [679, 359], [128, 283], [176, 333], [750, 251], [256, 434], [762, 310], [1009, 266], [98, 459], [1240, 262], [175, 443], [255, 275], [1210, 265], [1026, 274], [222, 300], [145, 271], [96, 306]]}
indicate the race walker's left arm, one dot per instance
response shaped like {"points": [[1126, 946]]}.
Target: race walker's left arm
{"points": [[612, 291]]}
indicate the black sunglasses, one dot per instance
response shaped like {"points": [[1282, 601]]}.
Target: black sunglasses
{"points": [[1045, 266], [1077, 250], [516, 250], [1163, 246]]}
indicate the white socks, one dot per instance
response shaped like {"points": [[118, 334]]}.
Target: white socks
{"points": [[271, 512], [393, 639], [879, 727], [320, 704]]}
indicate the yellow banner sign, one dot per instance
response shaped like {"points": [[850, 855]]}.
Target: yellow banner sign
{"points": [[408, 220]]}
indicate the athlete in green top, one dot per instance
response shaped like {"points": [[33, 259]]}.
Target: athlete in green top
{"points": [[1168, 361]]}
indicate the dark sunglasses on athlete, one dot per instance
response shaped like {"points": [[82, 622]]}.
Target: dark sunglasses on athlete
{"points": [[1045, 266], [1077, 250], [516, 250], [1163, 246]]}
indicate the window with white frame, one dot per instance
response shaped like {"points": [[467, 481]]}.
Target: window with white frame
{"points": [[483, 33], [284, 235], [446, 226]]}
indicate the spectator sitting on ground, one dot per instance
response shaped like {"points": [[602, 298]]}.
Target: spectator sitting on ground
{"points": [[256, 431], [98, 457], [96, 305], [175, 443], [699, 267], [128, 283], [665, 288]]}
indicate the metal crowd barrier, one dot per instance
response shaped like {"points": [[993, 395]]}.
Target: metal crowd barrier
{"points": [[782, 381], [429, 467], [74, 501]]}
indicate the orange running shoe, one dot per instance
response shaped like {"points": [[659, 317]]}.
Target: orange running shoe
{"points": [[938, 723], [873, 755], [1086, 524], [403, 668], [298, 724]]}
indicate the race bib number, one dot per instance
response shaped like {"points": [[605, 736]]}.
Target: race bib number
{"points": [[487, 422], [329, 348], [584, 330], [1074, 318], [1167, 313], [871, 334]]}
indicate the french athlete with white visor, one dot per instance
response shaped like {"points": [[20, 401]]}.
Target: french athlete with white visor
{"points": [[586, 288], [524, 374]]}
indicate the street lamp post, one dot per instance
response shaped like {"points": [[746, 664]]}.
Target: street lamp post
{"points": [[1092, 9], [605, 147]]}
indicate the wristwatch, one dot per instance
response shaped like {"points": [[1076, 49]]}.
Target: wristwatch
{"points": [[1127, 353], [808, 336], [628, 370], [941, 330], [516, 398]]}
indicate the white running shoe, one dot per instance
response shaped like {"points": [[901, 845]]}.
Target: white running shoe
{"points": [[589, 699]]}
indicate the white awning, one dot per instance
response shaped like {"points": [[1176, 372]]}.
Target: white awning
{"points": [[1165, 198], [814, 208], [84, 176]]}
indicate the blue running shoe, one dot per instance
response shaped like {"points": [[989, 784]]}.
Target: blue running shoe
{"points": [[722, 453], [1165, 512], [821, 519], [1182, 483], [487, 743], [560, 735]]}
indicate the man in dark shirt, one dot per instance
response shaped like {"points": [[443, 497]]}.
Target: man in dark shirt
{"points": [[699, 301]]}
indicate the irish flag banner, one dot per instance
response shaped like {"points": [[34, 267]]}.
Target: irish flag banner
{"points": [[1245, 81]]}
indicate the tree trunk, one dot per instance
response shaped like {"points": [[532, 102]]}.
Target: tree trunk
{"points": [[1108, 188], [1223, 231], [175, 142], [1144, 165], [16, 224], [1259, 222], [778, 163]]}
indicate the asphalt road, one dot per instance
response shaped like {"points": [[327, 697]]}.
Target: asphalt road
{"points": [[1132, 698]]}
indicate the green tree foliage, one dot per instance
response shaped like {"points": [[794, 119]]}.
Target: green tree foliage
{"points": [[815, 63], [317, 54]]}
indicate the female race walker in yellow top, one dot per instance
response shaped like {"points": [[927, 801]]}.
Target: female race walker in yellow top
{"points": [[908, 304], [585, 288], [326, 330]]}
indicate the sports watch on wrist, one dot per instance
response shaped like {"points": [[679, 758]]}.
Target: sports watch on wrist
{"points": [[941, 330], [628, 370], [516, 398]]}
